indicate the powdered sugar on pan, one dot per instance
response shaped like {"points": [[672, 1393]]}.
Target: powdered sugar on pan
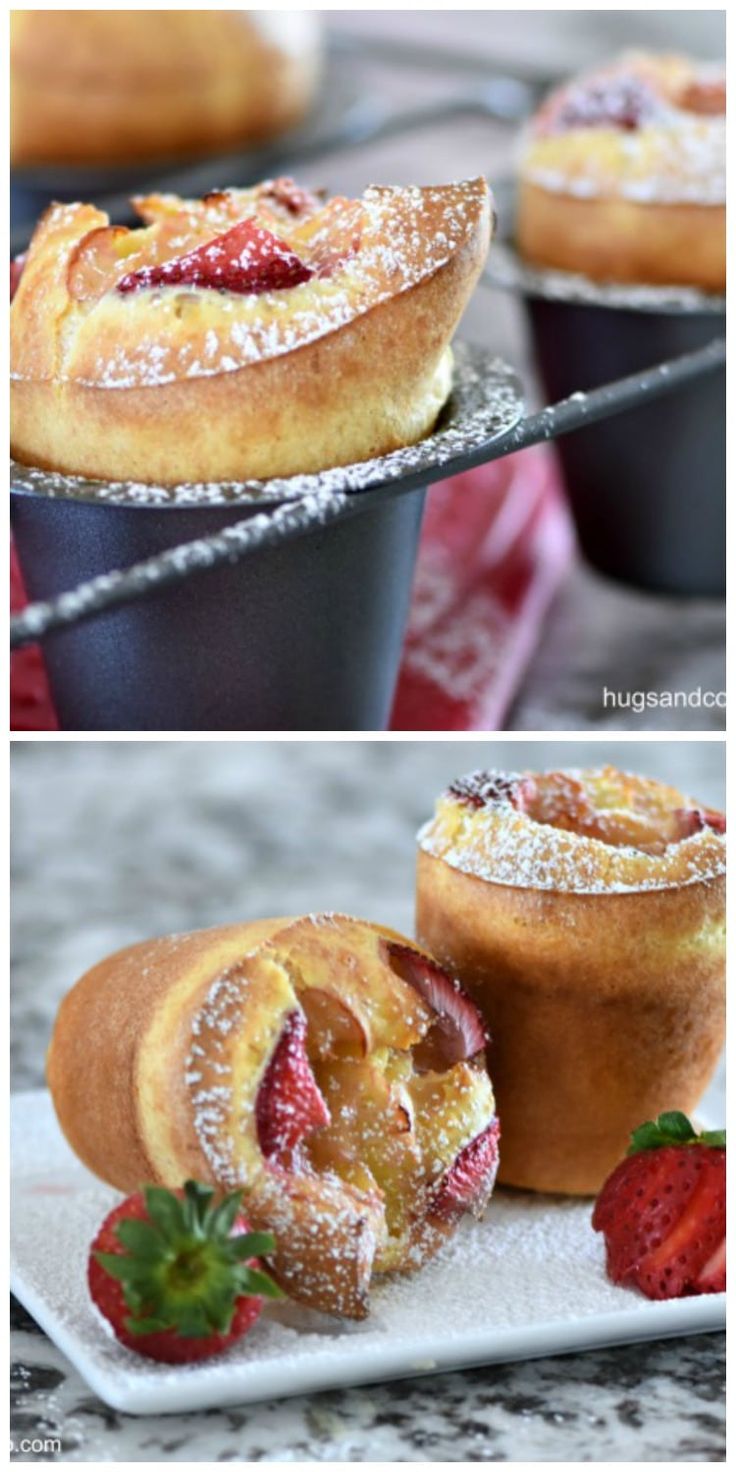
{"points": [[507, 271], [530, 1276], [486, 403]]}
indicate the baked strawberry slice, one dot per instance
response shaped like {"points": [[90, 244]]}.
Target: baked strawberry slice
{"points": [[288, 1104], [479, 789], [663, 1211], [459, 1031], [247, 259], [289, 196], [694, 820], [613, 101], [17, 264], [468, 1183], [176, 1274]]}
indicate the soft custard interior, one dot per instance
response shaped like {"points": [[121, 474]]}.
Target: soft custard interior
{"points": [[615, 807], [396, 1126]]}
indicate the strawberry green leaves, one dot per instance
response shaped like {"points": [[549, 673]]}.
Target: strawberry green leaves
{"points": [[186, 1262], [672, 1128]]}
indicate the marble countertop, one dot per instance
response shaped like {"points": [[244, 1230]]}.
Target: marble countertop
{"points": [[116, 840]]}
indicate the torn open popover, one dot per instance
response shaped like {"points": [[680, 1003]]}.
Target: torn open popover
{"points": [[325, 1065], [250, 334]]}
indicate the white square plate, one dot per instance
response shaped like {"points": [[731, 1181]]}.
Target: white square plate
{"points": [[528, 1281]]}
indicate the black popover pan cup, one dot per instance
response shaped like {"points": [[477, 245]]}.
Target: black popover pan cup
{"points": [[648, 488], [648, 492], [303, 635]]}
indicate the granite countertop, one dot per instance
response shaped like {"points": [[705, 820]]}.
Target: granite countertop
{"points": [[116, 840]]}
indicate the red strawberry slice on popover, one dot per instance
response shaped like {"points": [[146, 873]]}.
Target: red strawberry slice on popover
{"points": [[289, 1105], [247, 259]]}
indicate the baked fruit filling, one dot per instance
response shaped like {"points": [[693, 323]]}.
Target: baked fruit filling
{"points": [[628, 98], [615, 101], [408, 1125], [617, 809], [244, 241]]}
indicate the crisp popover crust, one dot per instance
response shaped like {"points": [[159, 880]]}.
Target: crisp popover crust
{"points": [[585, 913], [120, 86], [251, 334], [325, 1065], [622, 175]]}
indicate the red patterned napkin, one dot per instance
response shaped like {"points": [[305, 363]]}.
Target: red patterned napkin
{"points": [[496, 543]]}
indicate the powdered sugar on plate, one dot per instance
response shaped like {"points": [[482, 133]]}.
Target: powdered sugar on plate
{"points": [[526, 1281]]}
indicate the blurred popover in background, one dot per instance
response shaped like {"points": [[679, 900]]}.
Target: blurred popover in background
{"points": [[623, 174], [118, 86]]}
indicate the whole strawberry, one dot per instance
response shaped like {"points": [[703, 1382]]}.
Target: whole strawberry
{"points": [[175, 1274], [663, 1211]]}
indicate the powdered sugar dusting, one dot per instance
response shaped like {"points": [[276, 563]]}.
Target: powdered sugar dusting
{"points": [[212, 1102], [494, 840], [158, 334], [634, 130], [532, 1267]]}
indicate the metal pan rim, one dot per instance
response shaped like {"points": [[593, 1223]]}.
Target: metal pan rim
{"points": [[486, 404], [508, 272]]}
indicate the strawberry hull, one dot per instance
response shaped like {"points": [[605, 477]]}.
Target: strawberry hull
{"points": [[169, 1345]]}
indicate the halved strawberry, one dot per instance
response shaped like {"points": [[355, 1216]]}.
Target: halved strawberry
{"points": [[469, 1181], [663, 1211], [245, 259], [288, 1104], [459, 1031], [712, 1277], [176, 1276]]}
